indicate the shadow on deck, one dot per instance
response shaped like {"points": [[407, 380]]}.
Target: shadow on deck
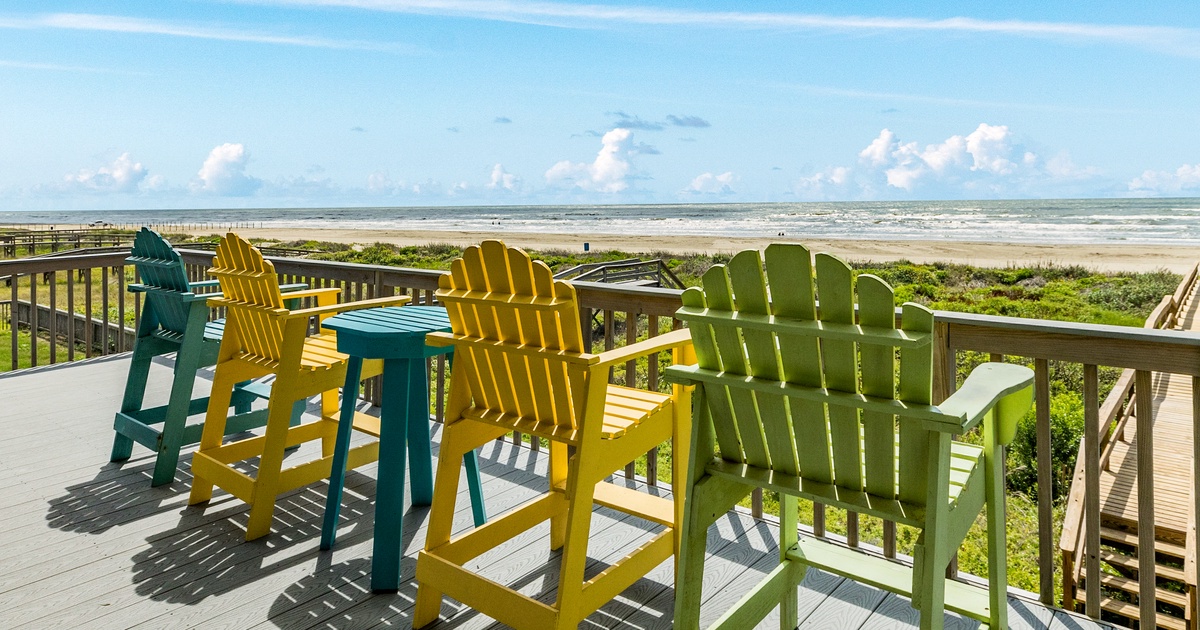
{"points": [[90, 543]]}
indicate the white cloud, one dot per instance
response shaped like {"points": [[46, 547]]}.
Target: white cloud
{"points": [[131, 25], [503, 180], [1167, 39], [608, 173], [987, 162], [122, 175], [1185, 179], [224, 172], [708, 183]]}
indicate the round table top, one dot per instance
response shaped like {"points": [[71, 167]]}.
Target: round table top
{"points": [[388, 332]]}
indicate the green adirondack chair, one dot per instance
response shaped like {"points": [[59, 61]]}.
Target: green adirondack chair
{"points": [[174, 319], [803, 399]]}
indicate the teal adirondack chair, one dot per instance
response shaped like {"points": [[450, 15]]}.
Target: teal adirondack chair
{"points": [[802, 398], [174, 319]]}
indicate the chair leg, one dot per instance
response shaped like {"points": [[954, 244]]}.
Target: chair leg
{"points": [[997, 546], [266, 481], [930, 596], [788, 536], [690, 562], [135, 390], [475, 487], [557, 477], [581, 489], [214, 427], [175, 421], [441, 515]]}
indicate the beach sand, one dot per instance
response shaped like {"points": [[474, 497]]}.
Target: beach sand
{"points": [[1103, 257]]}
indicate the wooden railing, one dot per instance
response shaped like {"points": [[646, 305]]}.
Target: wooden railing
{"points": [[626, 313], [1080, 539]]}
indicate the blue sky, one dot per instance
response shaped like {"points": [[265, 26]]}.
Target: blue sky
{"points": [[258, 103]]}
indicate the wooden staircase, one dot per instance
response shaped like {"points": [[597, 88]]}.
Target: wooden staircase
{"points": [[1175, 544], [1119, 579]]}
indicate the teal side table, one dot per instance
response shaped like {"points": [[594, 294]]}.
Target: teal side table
{"points": [[396, 335]]}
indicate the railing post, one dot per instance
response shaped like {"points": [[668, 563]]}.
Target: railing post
{"points": [[1144, 394], [1045, 483], [1091, 476]]}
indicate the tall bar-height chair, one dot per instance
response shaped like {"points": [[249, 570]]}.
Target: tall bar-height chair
{"points": [[174, 318], [262, 337], [800, 396], [520, 365]]}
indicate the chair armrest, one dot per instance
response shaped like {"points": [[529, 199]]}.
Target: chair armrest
{"points": [[201, 284], [304, 293], [330, 309], [293, 287], [673, 339], [1005, 387]]}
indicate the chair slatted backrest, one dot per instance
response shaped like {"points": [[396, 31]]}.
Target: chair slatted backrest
{"points": [[495, 293], [251, 290], [799, 329], [164, 278]]}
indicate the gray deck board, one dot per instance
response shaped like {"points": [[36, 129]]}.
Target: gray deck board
{"points": [[89, 542]]}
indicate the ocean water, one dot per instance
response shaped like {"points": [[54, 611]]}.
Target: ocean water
{"points": [[1164, 221]]}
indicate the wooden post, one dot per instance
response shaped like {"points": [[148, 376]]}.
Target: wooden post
{"points": [[1091, 477], [1147, 598], [1041, 369]]}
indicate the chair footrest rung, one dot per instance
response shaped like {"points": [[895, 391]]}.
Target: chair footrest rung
{"points": [[630, 501], [967, 600]]}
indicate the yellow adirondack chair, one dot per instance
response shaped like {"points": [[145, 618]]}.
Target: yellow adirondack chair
{"points": [[520, 364], [802, 399], [262, 337]]}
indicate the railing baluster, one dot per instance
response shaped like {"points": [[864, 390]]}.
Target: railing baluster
{"points": [[1091, 476], [53, 317], [1143, 390], [630, 372], [652, 385], [70, 315], [14, 280], [104, 305], [120, 308], [889, 539], [1041, 369], [88, 337], [1194, 540], [33, 320]]}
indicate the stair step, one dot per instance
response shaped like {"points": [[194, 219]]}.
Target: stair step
{"points": [[1127, 538], [1131, 586], [1131, 563], [1131, 611]]}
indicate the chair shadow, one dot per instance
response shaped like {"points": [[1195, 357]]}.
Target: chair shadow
{"points": [[119, 494], [206, 553]]}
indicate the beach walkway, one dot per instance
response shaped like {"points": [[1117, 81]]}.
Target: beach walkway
{"points": [[1173, 502], [90, 543]]}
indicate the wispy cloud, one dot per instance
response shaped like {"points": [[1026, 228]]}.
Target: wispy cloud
{"points": [[1167, 39], [53, 67], [937, 100], [122, 24]]}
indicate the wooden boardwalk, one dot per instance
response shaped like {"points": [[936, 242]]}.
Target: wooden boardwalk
{"points": [[1172, 453], [90, 544]]}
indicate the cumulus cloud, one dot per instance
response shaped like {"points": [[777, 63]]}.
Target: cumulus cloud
{"points": [[224, 172], [503, 180], [122, 175], [1185, 179], [711, 184], [687, 121], [986, 162], [989, 149], [608, 173]]}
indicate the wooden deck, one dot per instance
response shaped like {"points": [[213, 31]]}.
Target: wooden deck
{"points": [[88, 543], [1172, 453]]}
